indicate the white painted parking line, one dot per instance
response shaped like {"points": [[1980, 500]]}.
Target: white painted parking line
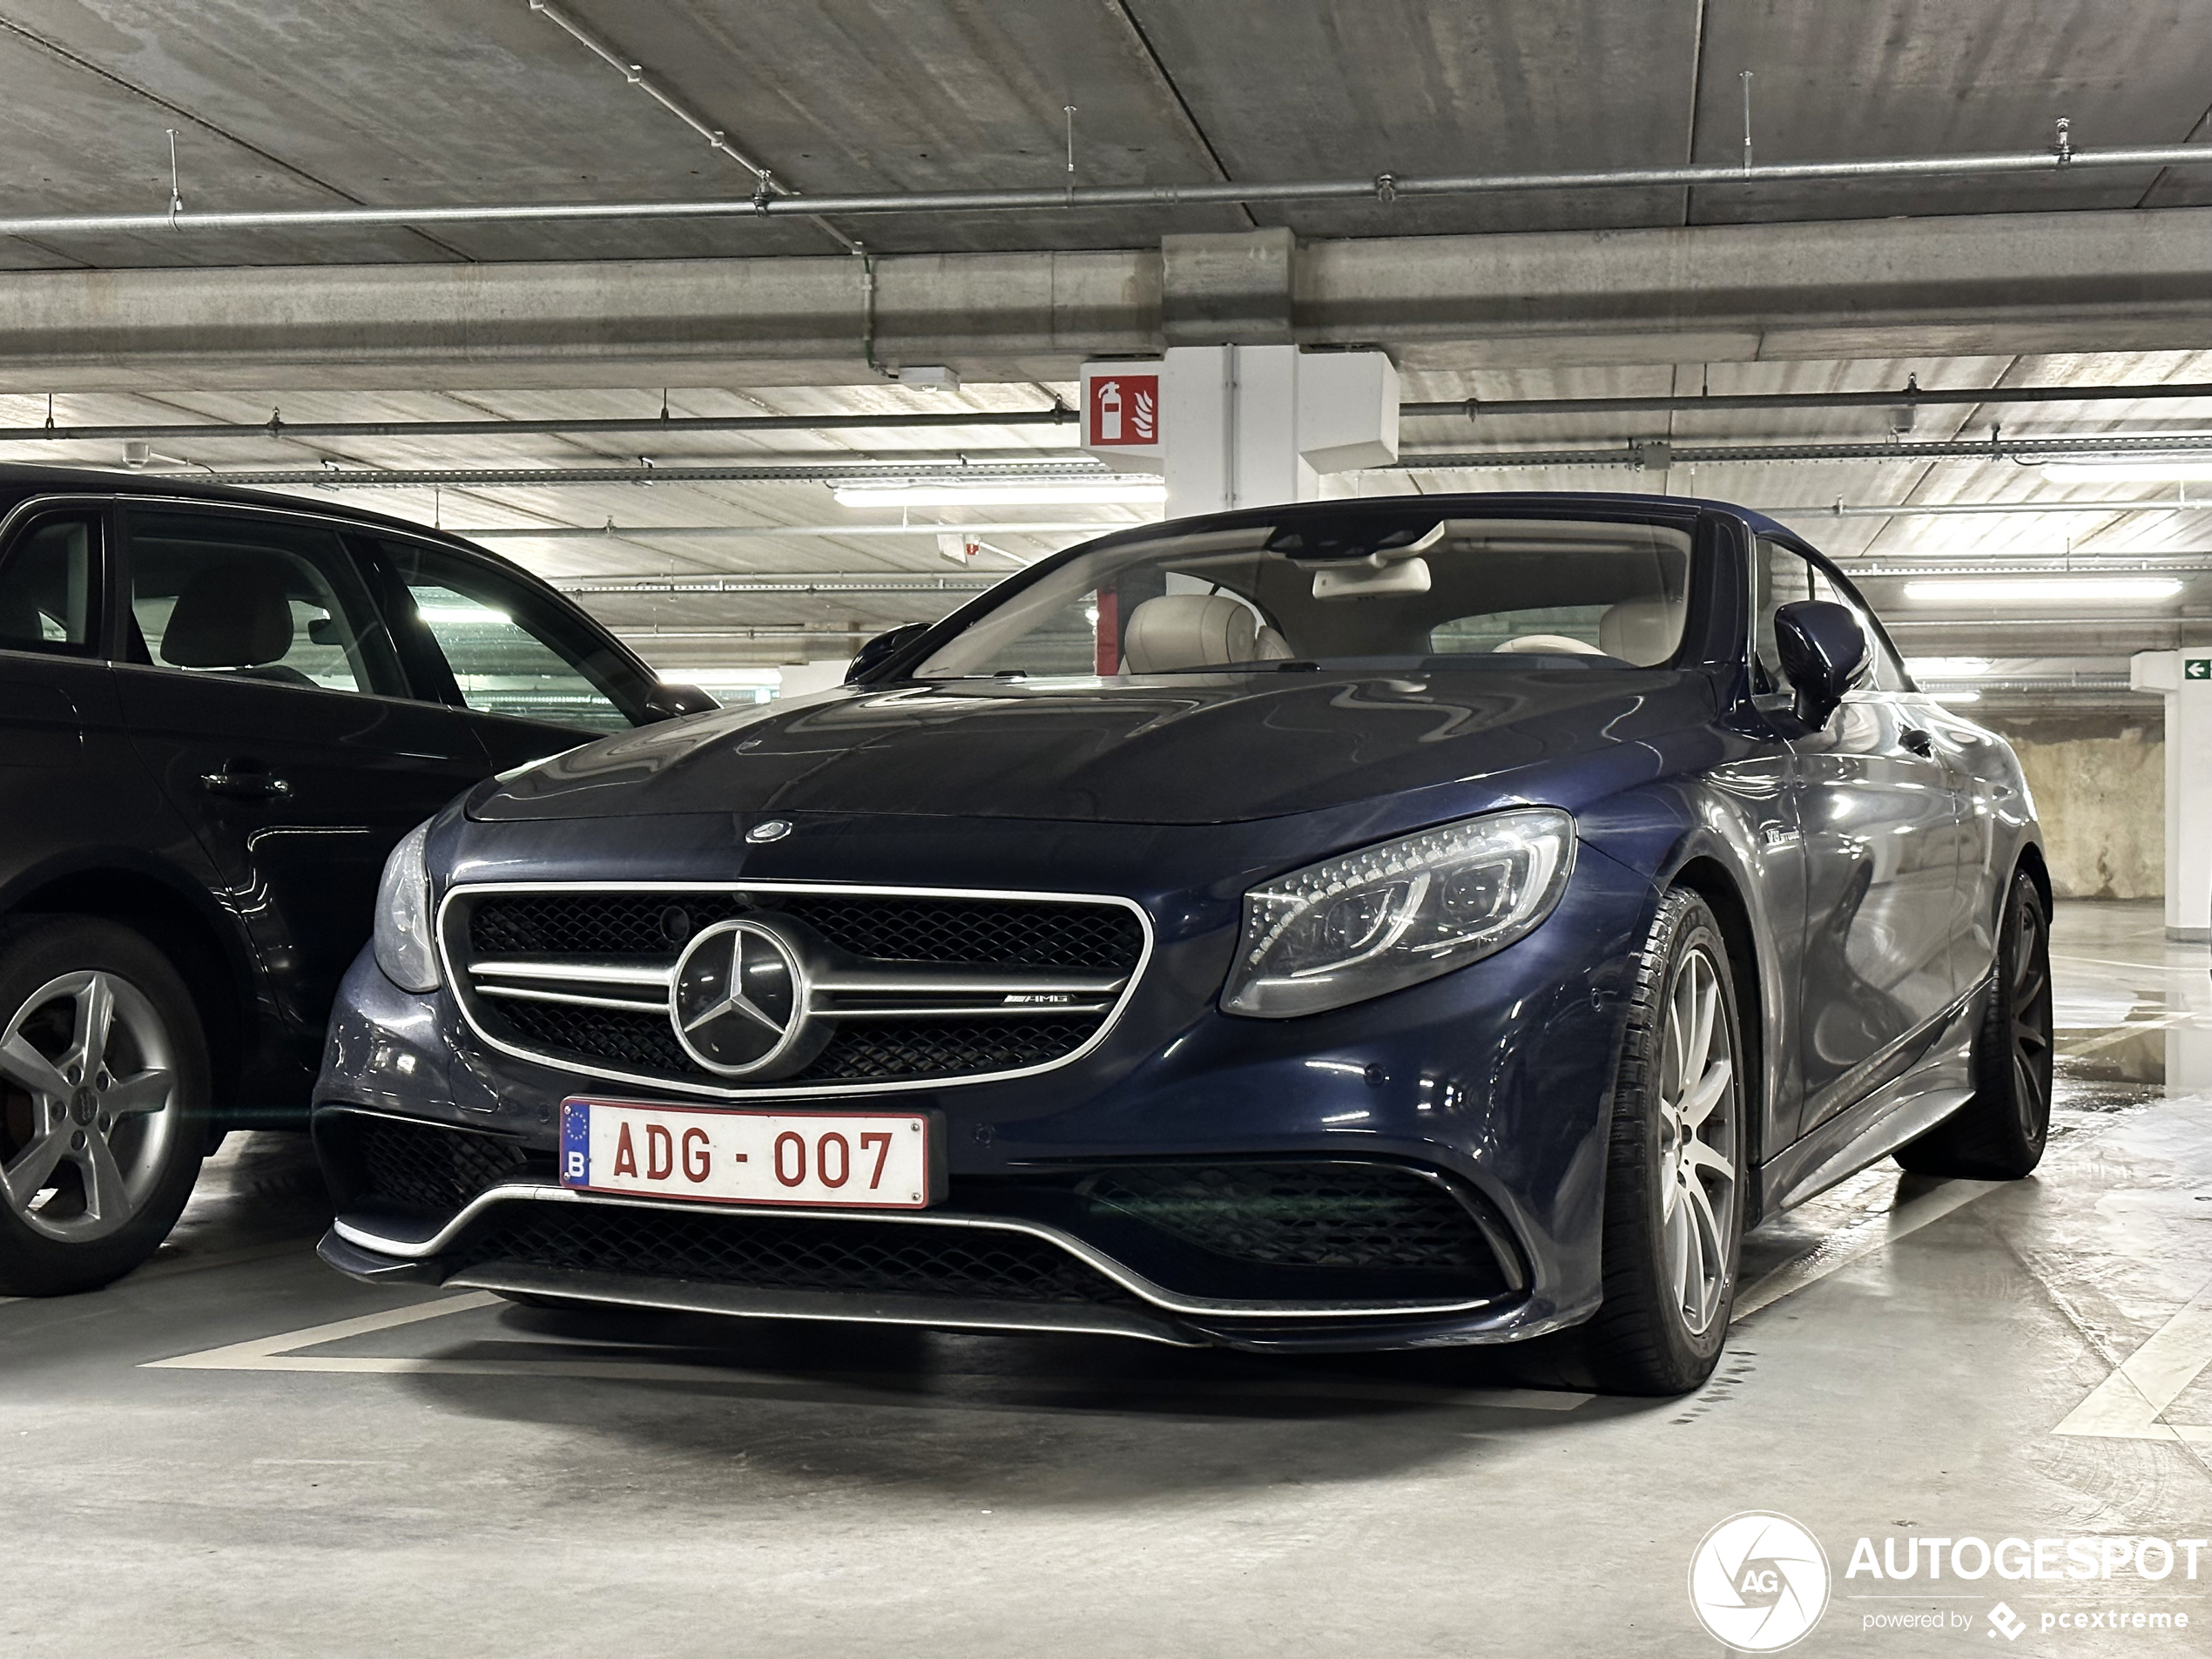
{"points": [[1861, 1239], [283, 1352], [2128, 1405]]}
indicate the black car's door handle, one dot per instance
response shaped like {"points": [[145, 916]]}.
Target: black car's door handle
{"points": [[245, 780], [1920, 742]]}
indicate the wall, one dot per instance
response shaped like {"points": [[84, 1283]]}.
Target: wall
{"points": [[2099, 784]]}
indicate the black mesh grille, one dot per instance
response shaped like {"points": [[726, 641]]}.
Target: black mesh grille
{"points": [[779, 1253], [963, 932], [422, 1166], [1304, 1215], [952, 932]]}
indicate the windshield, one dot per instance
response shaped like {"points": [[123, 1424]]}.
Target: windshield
{"points": [[1605, 594]]}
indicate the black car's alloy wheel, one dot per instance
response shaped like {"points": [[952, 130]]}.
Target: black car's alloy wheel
{"points": [[1674, 1204], [102, 1093], [2001, 1133]]}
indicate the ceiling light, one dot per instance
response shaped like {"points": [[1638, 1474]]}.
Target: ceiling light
{"points": [[2042, 589], [1012, 492], [2128, 472], [482, 616], [1957, 696], [931, 378], [1947, 668]]}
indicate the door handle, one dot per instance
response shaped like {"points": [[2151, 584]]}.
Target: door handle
{"points": [[243, 780], [1920, 742]]}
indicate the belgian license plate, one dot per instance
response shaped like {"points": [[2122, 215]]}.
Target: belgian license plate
{"points": [[878, 1161]]}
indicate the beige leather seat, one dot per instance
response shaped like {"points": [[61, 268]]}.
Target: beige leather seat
{"points": [[1642, 631], [1556, 644], [1183, 630]]}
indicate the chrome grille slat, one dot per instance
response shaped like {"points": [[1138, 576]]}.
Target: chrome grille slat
{"points": [[543, 968]]}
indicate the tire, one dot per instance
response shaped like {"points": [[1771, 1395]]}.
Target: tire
{"points": [[1999, 1133], [1673, 1226], [96, 1162]]}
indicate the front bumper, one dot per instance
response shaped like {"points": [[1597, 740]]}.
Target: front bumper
{"points": [[1486, 1089]]}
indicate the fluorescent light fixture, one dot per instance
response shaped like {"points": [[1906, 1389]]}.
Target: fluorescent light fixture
{"points": [[708, 679], [2042, 589], [1947, 668], [2128, 472], [484, 616], [1012, 492], [1957, 696]]}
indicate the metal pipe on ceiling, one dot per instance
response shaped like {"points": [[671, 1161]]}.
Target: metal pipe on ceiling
{"points": [[1385, 187], [860, 471], [765, 180], [1972, 509], [653, 532], [962, 584], [1647, 455], [277, 428], [1652, 455], [1912, 396]]}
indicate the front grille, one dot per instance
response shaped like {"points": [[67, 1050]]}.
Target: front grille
{"points": [[1370, 1215], [948, 932], [768, 1252], [620, 936], [422, 1166]]}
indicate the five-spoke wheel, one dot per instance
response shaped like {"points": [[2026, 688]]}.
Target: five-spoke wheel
{"points": [[101, 1102]]}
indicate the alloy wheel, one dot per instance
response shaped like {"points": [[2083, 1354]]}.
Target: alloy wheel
{"points": [[88, 1091], [1697, 1112], [2030, 1011]]}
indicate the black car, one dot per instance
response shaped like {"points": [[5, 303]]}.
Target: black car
{"points": [[218, 713], [1404, 923]]}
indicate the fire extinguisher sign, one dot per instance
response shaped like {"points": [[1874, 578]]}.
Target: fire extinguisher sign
{"points": [[1124, 410]]}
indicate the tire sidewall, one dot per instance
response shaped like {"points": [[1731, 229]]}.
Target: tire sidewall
{"points": [[1997, 1080], [34, 951], [1635, 1193]]}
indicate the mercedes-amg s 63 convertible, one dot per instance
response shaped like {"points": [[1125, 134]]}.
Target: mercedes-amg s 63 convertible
{"points": [[1397, 923]]}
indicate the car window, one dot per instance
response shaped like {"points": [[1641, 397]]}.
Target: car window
{"points": [[49, 583], [257, 599], [1461, 592], [509, 649]]}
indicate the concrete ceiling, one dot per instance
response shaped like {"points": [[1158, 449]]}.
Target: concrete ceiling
{"points": [[416, 101]]}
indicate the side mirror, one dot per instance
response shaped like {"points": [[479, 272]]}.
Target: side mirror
{"points": [[1824, 653], [668, 701], [881, 648]]}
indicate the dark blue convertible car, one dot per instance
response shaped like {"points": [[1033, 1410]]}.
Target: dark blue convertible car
{"points": [[1397, 923]]}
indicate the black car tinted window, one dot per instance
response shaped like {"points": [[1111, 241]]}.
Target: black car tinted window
{"points": [[49, 584], [257, 599], [510, 651]]}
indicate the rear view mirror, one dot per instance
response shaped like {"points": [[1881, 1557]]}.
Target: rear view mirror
{"points": [[1823, 654], [668, 701], [881, 648]]}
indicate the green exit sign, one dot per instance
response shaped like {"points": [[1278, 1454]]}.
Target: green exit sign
{"points": [[2196, 668]]}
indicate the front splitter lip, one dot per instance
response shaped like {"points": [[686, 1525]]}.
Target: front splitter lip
{"points": [[366, 1236]]}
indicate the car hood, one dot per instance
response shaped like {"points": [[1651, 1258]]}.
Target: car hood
{"points": [[1202, 749]]}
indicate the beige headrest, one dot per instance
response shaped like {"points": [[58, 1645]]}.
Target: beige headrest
{"points": [[1180, 631], [1641, 631]]}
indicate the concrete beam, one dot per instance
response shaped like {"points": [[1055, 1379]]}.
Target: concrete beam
{"points": [[1981, 285]]}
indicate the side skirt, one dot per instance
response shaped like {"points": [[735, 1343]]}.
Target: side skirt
{"points": [[1939, 1085]]}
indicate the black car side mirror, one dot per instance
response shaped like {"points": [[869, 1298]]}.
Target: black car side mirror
{"points": [[1824, 653], [668, 701], [880, 648]]}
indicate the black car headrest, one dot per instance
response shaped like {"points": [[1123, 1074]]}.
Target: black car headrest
{"points": [[230, 616]]}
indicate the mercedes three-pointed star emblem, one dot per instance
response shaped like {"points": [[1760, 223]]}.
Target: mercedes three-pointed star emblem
{"points": [[738, 1002]]}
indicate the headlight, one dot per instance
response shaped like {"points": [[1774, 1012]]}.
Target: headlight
{"points": [[1393, 914], [403, 948]]}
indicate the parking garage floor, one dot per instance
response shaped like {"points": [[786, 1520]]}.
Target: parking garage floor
{"points": [[235, 1450]]}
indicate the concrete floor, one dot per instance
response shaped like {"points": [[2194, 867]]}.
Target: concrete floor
{"points": [[237, 1451]]}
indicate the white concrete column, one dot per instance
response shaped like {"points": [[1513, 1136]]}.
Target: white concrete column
{"points": [[1241, 426], [2184, 677]]}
